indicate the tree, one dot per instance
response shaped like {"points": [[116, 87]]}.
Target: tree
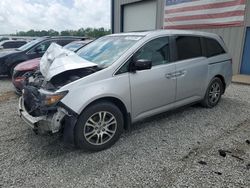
{"points": [[88, 32]]}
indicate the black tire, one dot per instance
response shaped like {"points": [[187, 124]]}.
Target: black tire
{"points": [[82, 127], [208, 102]]}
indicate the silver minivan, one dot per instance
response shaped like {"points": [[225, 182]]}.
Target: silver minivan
{"points": [[92, 96]]}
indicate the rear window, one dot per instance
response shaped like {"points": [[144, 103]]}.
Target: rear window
{"points": [[188, 47], [213, 48]]}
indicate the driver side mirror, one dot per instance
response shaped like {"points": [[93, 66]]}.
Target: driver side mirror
{"points": [[142, 64]]}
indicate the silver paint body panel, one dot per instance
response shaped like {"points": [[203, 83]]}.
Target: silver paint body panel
{"points": [[148, 92]]}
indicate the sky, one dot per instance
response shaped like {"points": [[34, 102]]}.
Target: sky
{"points": [[23, 15]]}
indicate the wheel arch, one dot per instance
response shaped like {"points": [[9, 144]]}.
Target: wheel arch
{"points": [[119, 104], [222, 80]]}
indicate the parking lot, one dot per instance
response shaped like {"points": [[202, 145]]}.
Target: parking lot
{"points": [[188, 147]]}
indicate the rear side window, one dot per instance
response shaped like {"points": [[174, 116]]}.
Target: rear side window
{"points": [[20, 43], [213, 47], [188, 47], [9, 45], [13, 44]]}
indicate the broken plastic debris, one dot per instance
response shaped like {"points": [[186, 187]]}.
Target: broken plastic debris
{"points": [[202, 162], [219, 173], [222, 153]]}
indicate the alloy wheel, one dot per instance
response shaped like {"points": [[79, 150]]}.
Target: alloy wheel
{"points": [[100, 128], [214, 93]]}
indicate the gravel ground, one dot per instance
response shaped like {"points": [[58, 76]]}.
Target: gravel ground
{"points": [[174, 149]]}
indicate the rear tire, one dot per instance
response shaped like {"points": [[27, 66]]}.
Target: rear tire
{"points": [[99, 126], [213, 93]]}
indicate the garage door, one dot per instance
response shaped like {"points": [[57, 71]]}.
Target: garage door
{"points": [[139, 16]]}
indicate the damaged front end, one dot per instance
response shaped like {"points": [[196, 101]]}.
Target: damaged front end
{"points": [[41, 111], [39, 105]]}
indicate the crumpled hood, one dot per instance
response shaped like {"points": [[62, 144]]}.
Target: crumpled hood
{"points": [[7, 52], [57, 60]]}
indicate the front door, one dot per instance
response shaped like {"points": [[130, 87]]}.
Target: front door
{"points": [[245, 67], [39, 50], [153, 89]]}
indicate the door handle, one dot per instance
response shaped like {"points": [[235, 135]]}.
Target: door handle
{"points": [[175, 74], [170, 75], [180, 73]]}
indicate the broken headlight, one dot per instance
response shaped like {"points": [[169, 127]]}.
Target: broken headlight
{"points": [[51, 99]]}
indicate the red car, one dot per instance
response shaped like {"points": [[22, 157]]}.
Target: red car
{"points": [[18, 77]]}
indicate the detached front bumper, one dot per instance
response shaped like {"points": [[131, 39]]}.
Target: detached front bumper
{"points": [[41, 124], [26, 117]]}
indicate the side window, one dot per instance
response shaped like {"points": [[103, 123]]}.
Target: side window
{"points": [[14, 44], [156, 50], [20, 43], [212, 47], [11, 44], [124, 68], [7, 45], [188, 47], [41, 48]]}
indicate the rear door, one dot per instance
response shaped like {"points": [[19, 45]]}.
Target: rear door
{"points": [[191, 68]]}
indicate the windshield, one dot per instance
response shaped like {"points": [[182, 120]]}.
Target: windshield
{"points": [[30, 44], [73, 46], [107, 50]]}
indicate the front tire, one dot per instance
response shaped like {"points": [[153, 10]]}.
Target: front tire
{"points": [[99, 126], [213, 93]]}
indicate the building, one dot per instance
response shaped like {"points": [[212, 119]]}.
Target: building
{"points": [[139, 15]]}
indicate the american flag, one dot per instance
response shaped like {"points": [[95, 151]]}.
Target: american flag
{"points": [[194, 14]]}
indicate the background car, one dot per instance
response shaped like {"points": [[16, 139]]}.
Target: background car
{"points": [[18, 77], [34, 49], [9, 44]]}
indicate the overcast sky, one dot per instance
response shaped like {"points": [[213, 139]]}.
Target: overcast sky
{"points": [[23, 15]]}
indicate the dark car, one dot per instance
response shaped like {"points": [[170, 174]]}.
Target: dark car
{"points": [[9, 44], [18, 77], [34, 49]]}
